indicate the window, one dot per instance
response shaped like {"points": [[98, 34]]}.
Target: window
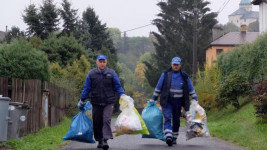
{"points": [[218, 51]]}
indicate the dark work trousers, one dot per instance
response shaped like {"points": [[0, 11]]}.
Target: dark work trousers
{"points": [[102, 121], [172, 113]]}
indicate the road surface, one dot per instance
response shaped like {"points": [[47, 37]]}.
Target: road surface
{"points": [[135, 142]]}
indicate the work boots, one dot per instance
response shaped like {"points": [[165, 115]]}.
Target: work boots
{"points": [[169, 141], [100, 144], [105, 145], [174, 141]]}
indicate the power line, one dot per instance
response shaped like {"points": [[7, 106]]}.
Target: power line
{"points": [[223, 7], [131, 29], [137, 28], [218, 12]]}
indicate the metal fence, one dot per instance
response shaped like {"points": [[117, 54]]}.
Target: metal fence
{"points": [[47, 102]]}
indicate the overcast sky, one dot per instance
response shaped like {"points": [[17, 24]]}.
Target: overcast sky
{"points": [[123, 14]]}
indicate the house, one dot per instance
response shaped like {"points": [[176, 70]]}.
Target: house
{"points": [[227, 42], [262, 14], [2, 35], [244, 15]]}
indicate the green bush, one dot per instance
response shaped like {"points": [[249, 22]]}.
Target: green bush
{"points": [[260, 101], [260, 105], [249, 60], [64, 50], [234, 86], [20, 60], [206, 87], [72, 78]]}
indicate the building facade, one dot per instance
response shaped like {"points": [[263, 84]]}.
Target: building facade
{"points": [[227, 42], [244, 15], [262, 14]]}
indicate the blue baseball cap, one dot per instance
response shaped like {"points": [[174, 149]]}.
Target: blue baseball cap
{"points": [[176, 60], [101, 56]]}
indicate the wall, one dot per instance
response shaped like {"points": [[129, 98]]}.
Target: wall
{"points": [[211, 55]]}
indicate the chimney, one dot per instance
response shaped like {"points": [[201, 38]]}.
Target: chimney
{"points": [[243, 28], [217, 32]]}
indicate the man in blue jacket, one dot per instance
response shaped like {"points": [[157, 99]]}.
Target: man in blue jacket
{"points": [[102, 83], [174, 87]]}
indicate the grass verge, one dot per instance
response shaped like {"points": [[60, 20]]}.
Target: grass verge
{"points": [[48, 138], [239, 127]]}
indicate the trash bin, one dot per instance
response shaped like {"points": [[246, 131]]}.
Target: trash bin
{"points": [[17, 121], [4, 102]]}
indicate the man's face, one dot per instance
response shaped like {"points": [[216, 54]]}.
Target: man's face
{"points": [[176, 67], [101, 64]]}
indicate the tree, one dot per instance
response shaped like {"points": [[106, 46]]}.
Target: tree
{"points": [[49, 18], [20, 60], [175, 37], [99, 37], [230, 27], [232, 88], [115, 35], [69, 17], [253, 27], [32, 19], [72, 78], [63, 50], [13, 34]]}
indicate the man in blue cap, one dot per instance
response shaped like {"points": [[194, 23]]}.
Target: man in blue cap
{"points": [[102, 83], [174, 87]]}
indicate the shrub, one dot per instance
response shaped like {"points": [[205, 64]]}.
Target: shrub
{"points": [[249, 59], [208, 82], [260, 101], [234, 86], [20, 60], [72, 78], [260, 105], [63, 50]]}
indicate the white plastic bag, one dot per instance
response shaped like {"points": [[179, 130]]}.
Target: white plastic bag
{"points": [[128, 121], [196, 124]]}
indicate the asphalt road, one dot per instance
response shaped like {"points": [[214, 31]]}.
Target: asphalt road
{"points": [[135, 142]]}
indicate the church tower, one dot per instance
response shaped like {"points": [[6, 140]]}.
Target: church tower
{"points": [[246, 4], [244, 15]]}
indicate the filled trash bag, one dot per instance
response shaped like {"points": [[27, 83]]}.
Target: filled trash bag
{"points": [[129, 120], [154, 121], [196, 122], [81, 127]]}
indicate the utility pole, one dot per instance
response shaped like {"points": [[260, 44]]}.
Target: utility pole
{"points": [[195, 41]]}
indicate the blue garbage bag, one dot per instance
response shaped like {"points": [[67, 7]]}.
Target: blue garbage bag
{"points": [[81, 127], [154, 121]]}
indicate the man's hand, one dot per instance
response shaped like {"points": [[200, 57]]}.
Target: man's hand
{"points": [[82, 101]]}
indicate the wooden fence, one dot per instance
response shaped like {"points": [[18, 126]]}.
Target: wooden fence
{"points": [[47, 102]]}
